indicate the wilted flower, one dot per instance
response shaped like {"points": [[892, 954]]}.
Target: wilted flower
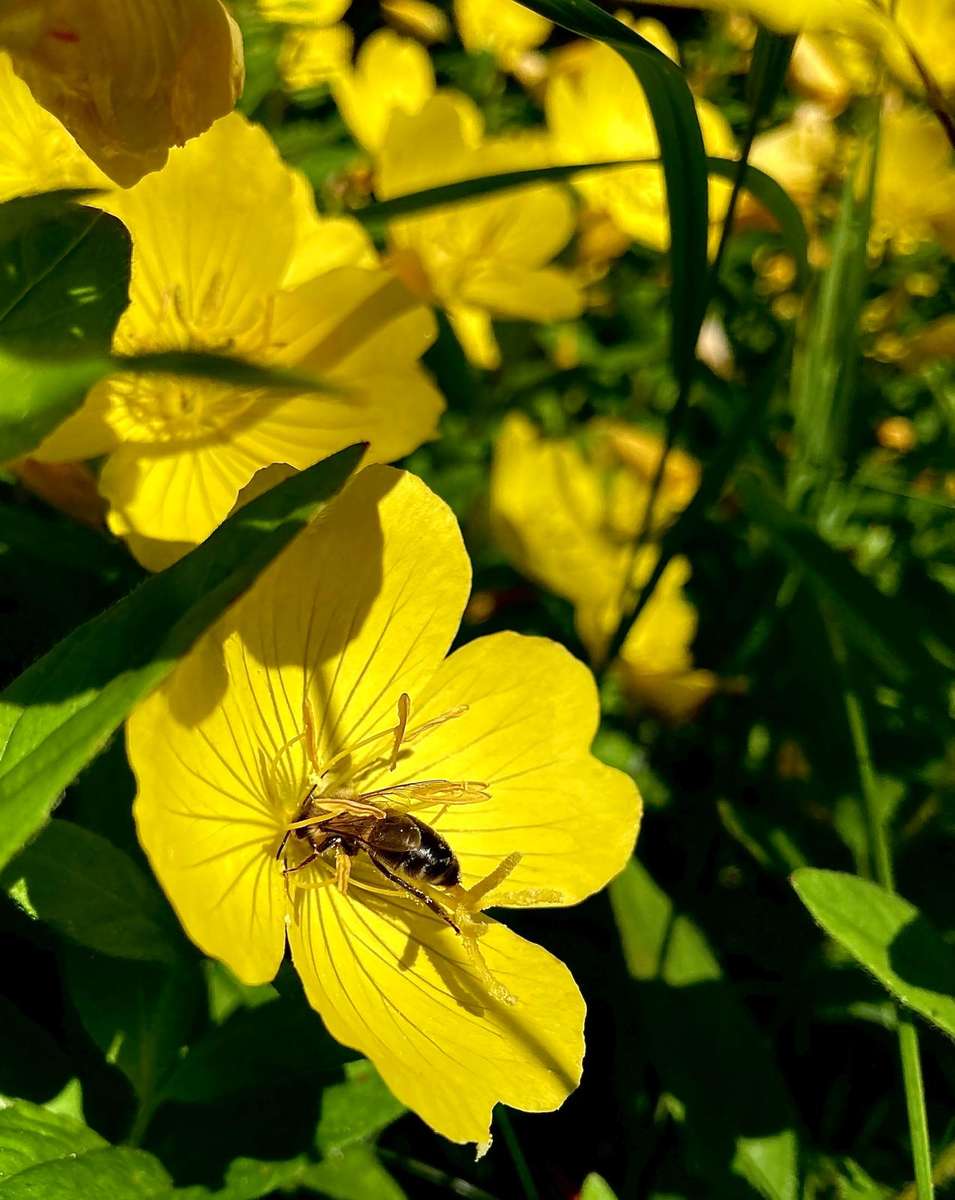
{"points": [[597, 111], [504, 28], [36, 152], [128, 78], [391, 74], [480, 258], [324, 697], [568, 516], [229, 256]]}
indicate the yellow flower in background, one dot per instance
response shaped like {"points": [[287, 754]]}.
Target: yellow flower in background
{"points": [[316, 47], [36, 152], [915, 180], [799, 154], [830, 69], [325, 696], [858, 17], [128, 78], [928, 26], [229, 256], [567, 514], [477, 259], [504, 28], [597, 110], [391, 74]]}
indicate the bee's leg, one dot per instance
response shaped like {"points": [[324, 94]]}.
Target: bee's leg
{"points": [[318, 849], [306, 862], [418, 894]]}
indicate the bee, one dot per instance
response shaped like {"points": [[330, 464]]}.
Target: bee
{"points": [[402, 847]]}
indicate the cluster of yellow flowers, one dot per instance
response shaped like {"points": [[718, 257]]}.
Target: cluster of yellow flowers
{"points": [[322, 712]]}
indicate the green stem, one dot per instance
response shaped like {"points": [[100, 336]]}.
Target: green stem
{"points": [[528, 1186], [881, 855]]}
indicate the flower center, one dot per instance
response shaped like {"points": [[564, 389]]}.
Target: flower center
{"points": [[153, 409]]}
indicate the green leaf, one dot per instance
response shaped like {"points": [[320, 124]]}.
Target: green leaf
{"points": [[595, 1187], [42, 391], [94, 894], [778, 203], [355, 1174], [888, 936], [681, 149], [709, 1053], [59, 714], [140, 1015], [466, 190], [47, 1156], [64, 276], [877, 624], [253, 1048], [355, 1110]]}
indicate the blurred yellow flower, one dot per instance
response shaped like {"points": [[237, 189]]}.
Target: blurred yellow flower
{"points": [[229, 256], [596, 111], [568, 515], [915, 181], [316, 48], [489, 749], [799, 155], [36, 152], [391, 74], [482, 258], [860, 17], [128, 78], [504, 28]]}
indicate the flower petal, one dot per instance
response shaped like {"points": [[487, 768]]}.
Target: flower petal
{"points": [[531, 716], [203, 814], [396, 983]]}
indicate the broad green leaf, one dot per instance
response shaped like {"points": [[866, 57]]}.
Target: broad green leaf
{"points": [[94, 894], [41, 391], [140, 1015], [59, 713], [30, 1135], [355, 1174], [778, 203], [115, 1173], [64, 276], [253, 1048], [355, 1110], [596, 1188], [681, 149], [879, 625], [466, 190], [888, 936], [710, 1055]]}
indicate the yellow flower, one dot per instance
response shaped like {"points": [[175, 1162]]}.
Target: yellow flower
{"points": [[315, 50], [929, 27], [128, 78], [799, 155], [913, 147], [391, 74], [860, 17], [568, 515], [230, 256], [597, 110], [482, 258], [325, 695], [36, 152], [503, 27]]}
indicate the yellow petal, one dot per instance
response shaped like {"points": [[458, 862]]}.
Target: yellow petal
{"points": [[503, 27], [859, 17], [532, 712], [312, 57], [131, 78], [419, 18], [473, 329], [304, 12], [204, 260], [85, 434], [36, 152], [397, 985], [547, 294], [391, 74], [204, 812], [323, 243]]}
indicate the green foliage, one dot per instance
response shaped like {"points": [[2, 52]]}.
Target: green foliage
{"points": [[61, 711], [888, 936]]}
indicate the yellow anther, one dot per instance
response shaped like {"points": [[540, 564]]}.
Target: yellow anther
{"points": [[404, 712]]}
